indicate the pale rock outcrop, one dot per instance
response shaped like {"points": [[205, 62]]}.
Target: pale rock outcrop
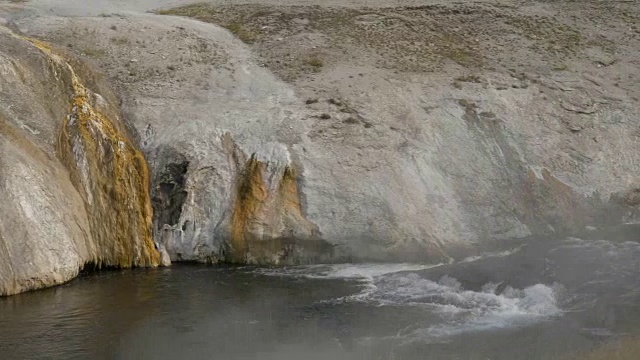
{"points": [[417, 145], [225, 187], [393, 167], [74, 189], [44, 231]]}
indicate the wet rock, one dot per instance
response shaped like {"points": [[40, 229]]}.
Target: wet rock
{"points": [[75, 186], [243, 171]]}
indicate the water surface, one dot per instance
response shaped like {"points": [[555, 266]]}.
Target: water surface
{"points": [[546, 300]]}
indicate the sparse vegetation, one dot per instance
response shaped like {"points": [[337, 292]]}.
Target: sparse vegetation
{"points": [[560, 67], [242, 32], [93, 52], [469, 78], [205, 12], [407, 39], [200, 11], [119, 40], [548, 34], [315, 62], [462, 57]]}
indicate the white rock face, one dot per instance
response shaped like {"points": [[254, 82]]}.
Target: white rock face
{"points": [[350, 161], [43, 231], [406, 167], [53, 215]]}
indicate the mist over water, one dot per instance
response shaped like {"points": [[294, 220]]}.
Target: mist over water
{"points": [[546, 299]]}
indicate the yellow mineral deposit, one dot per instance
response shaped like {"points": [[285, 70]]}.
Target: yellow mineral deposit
{"points": [[250, 197], [261, 219], [291, 200], [110, 172]]}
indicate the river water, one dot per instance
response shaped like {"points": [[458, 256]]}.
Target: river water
{"points": [[551, 299]]}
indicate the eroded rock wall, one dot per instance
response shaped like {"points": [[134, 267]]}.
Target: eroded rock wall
{"points": [[75, 189], [387, 165], [45, 237], [413, 133], [256, 216]]}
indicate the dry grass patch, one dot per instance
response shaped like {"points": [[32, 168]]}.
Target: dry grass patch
{"points": [[198, 11], [207, 13], [93, 52], [119, 40], [315, 62], [243, 33]]}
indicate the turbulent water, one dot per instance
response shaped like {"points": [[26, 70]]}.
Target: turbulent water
{"points": [[552, 299]]}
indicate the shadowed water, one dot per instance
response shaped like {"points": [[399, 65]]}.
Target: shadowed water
{"points": [[546, 300]]}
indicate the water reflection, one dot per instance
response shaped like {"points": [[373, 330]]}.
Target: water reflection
{"points": [[546, 300]]}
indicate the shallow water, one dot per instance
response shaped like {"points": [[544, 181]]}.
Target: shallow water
{"points": [[542, 301]]}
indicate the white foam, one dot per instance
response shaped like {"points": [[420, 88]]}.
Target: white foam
{"points": [[465, 310], [448, 295], [461, 310], [364, 272], [492, 255]]}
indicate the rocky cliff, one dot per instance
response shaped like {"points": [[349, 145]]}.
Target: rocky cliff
{"points": [[75, 189], [295, 134]]}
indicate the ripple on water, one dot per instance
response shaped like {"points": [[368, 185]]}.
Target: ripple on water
{"points": [[460, 310]]}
